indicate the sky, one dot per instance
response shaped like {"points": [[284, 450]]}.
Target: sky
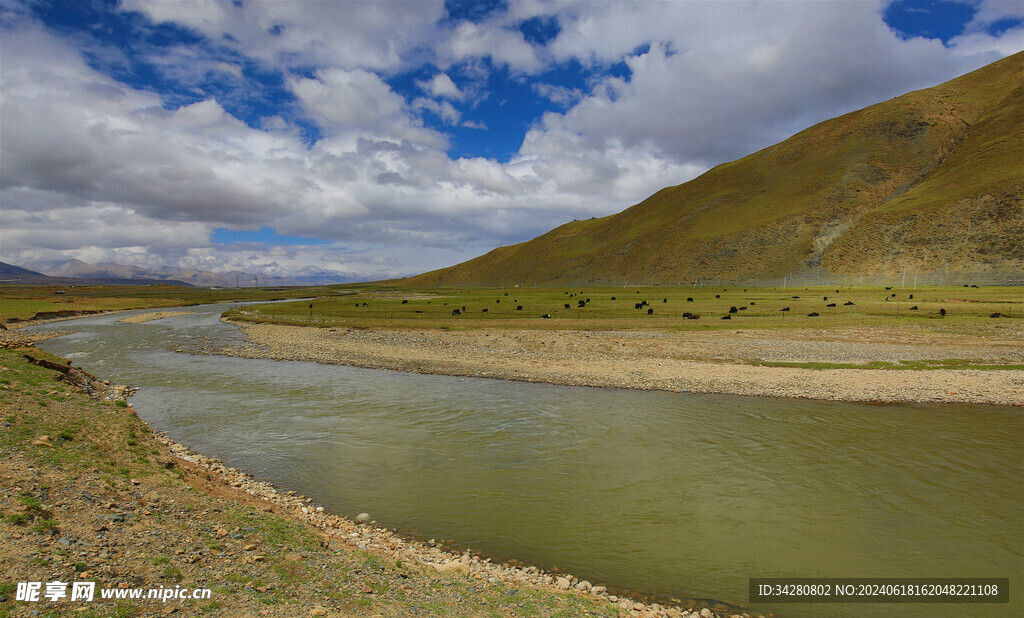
{"points": [[370, 140]]}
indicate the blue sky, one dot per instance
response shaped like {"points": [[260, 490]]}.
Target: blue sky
{"points": [[368, 140]]}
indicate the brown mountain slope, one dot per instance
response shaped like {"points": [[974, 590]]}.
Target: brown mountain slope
{"points": [[929, 180]]}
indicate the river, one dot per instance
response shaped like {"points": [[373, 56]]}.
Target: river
{"points": [[666, 494]]}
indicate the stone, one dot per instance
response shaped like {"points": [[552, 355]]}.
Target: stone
{"points": [[584, 585], [563, 583], [706, 613], [249, 547], [362, 517], [599, 589], [221, 533], [317, 612]]}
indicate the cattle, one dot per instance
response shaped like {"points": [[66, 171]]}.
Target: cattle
{"points": [[942, 312], [718, 295], [638, 306], [752, 303], [484, 310], [357, 304], [405, 302], [894, 296], [824, 298], [797, 297], [911, 297], [506, 293], [613, 298], [498, 301], [831, 305], [650, 312], [733, 309], [974, 286], [664, 300], [689, 300], [784, 309], [914, 308], [694, 317], [996, 315], [726, 317], [456, 312], [848, 303], [743, 308], [687, 314], [588, 300], [546, 316], [645, 303], [364, 304], [519, 307], [463, 307], [567, 305], [812, 315], [891, 288], [582, 303]]}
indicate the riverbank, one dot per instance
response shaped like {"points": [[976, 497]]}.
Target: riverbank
{"points": [[741, 362], [89, 493], [142, 318]]}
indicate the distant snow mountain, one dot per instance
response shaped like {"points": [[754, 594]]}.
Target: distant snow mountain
{"points": [[201, 278]]}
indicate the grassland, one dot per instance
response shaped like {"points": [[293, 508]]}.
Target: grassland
{"points": [[24, 302], [967, 309]]}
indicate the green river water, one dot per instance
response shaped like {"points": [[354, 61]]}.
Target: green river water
{"points": [[663, 494]]}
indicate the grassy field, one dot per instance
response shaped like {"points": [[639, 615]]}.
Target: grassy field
{"points": [[615, 308], [23, 302]]}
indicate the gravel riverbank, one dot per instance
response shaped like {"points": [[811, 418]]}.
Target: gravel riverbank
{"points": [[727, 362]]}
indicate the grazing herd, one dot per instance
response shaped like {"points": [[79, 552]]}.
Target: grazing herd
{"points": [[732, 310]]}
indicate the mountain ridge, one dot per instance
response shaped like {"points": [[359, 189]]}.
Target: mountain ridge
{"points": [[926, 181]]}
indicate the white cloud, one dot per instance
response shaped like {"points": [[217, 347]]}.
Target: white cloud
{"points": [[146, 181], [442, 86], [722, 80], [346, 35]]}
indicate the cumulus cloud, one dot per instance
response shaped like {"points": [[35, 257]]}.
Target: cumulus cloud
{"points": [[346, 35], [440, 85], [672, 89]]}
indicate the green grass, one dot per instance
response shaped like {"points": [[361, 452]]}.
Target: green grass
{"points": [[25, 301], [44, 526], [966, 308]]}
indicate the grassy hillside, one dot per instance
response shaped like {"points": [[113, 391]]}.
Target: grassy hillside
{"points": [[926, 181]]}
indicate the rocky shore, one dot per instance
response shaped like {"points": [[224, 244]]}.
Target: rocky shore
{"points": [[724, 362]]}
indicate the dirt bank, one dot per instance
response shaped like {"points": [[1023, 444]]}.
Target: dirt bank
{"points": [[720, 362]]}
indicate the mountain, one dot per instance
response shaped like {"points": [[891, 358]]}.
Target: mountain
{"points": [[929, 180], [16, 274], [184, 276], [10, 273]]}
